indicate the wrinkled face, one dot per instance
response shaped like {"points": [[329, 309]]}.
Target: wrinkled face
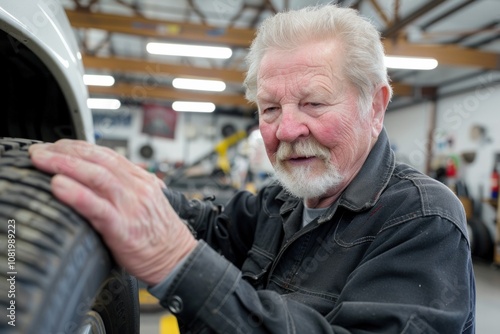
{"points": [[308, 116]]}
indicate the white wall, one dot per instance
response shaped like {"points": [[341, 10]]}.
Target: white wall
{"points": [[456, 117], [408, 129], [195, 135]]}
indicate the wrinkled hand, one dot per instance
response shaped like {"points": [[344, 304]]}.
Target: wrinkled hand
{"points": [[123, 202]]}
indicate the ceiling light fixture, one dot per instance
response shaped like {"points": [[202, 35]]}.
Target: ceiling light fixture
{"points": [[197, 84], [98, 80], [111, 104], [193, 106], [410, 63], [187, 50]]}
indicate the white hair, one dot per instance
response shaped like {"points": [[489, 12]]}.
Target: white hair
{"points": [[363, 50]]}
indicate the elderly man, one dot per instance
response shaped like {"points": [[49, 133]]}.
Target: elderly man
{"points": [[347, 239]]}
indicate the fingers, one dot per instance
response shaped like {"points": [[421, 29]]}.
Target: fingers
{"points": [[96, 167], [99, 212], [75, 151], [79, 151], [101, 185], [91, 175], [123, 202]]}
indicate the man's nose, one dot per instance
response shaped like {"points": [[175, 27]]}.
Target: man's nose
{"points": [[291, 125]]}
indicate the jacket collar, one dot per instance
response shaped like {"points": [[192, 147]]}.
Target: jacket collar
{"points": [[365, 189]]}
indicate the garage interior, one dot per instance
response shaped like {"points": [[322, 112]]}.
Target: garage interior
{"points": [[441, 121]]}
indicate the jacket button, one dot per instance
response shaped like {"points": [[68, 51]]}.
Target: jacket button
{"points": [[175, 305]]}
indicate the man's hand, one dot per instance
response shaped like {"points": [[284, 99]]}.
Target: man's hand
{"points": [[123, 202]]}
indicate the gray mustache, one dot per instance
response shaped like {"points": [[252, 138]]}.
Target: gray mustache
{"points": [[307, 148]]}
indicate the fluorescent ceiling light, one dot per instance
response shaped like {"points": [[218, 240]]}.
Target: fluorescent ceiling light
{"points": [[187, 50], [111, 104], [98, 80], [411, 63], [193, 106], [196, 84]]}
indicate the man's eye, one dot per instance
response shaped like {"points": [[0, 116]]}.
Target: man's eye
{"points": [[312, 104], [270, 109], [270, 114]]}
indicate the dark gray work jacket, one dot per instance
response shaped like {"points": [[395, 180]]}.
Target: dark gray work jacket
{"points": [[391, 255]]}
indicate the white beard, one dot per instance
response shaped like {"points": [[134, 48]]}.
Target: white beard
{"points": [[302, 181]]}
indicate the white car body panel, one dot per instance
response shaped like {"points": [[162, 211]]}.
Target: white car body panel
{"points": [[42, 26]]}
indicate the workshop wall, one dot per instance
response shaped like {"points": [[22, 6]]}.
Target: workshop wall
{"points": [[195, 134], [467, 122], [458, 119], [408, 131]]}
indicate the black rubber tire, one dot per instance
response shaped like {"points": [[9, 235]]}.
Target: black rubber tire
{"points": [[481, 240], [58, 267]]}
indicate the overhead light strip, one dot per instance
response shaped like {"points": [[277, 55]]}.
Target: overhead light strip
{"points": [[198, 84], [110, 104], [98, 80], [188, 50], [410, 63], [186, 106]]}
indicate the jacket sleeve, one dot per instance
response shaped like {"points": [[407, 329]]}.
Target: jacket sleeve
{"points": [[209, 295], [393, 290], [196, 213], [211, 223]]}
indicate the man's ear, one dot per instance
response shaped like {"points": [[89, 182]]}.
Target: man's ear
{"points": [[379, 105]]}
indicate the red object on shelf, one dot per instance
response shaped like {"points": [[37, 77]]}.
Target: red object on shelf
{"points": [[495, 183], [451, 168]]}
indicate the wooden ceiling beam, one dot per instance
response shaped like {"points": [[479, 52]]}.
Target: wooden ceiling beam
{"points": [[117, 64], [141, 26], [402, 23], [380, 12], [445, 54], [400, 89], [120, 64], [446, 14], [140, 92]]}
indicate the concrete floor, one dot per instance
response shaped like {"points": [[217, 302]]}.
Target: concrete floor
{"points": [[488, 304], [488, 298]]}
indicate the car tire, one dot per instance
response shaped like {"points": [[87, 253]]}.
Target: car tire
{"points": [[56, 275], [480, 239]]}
